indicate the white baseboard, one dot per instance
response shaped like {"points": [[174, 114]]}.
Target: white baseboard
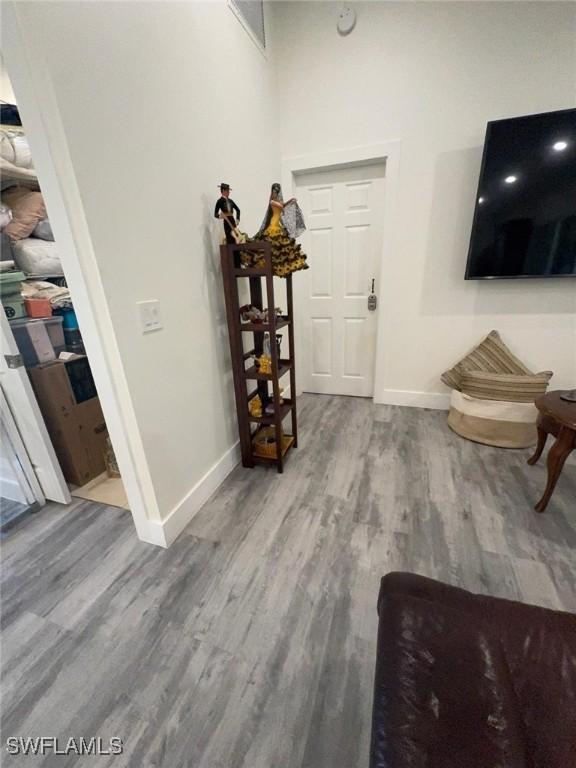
{"points": [[164, 532], [436, 400]]}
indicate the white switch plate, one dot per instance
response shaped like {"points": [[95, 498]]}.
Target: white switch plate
{"points": [[149, 315]]}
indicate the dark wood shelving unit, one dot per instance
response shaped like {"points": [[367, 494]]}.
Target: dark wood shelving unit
{"points": [[263, 327], [248, 425]]}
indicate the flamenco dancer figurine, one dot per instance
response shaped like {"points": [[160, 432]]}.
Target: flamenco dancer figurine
{"points": [[282, 224], [225, 210]]}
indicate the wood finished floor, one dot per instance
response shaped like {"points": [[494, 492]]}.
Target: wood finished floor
{"points": [[12, 512], [250, 643]]}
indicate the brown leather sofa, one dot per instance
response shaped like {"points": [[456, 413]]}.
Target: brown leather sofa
{"points": [[467, 681]]}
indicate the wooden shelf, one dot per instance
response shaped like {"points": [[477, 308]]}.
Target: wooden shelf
{"points": [[264, 327], [257, 457], [262, 246], [254, 373], [267, 384], [269, 418], [249, 272]]}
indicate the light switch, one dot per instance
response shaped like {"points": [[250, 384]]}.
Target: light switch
{"points": [[150, 315]]}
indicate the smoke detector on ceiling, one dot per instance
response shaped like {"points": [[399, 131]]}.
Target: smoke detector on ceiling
{"points": [[346, 20]]}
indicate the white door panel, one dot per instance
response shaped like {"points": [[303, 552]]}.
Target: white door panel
{"points": [[322, 357], [22, 403], [321, 244], [343, 209], [15, 462]]}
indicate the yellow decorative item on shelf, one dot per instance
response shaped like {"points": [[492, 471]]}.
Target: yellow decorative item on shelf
{"points": [[264, 443], [255, 407], [265, 364]]}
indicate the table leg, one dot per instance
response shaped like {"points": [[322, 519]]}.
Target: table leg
{"points": [[542, 437], [557, 455]]}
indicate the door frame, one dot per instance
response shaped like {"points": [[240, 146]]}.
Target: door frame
{"points": [[387, 152], [44, 129]]}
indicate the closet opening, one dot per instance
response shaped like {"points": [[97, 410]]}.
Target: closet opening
{"points": [[56, 445]]}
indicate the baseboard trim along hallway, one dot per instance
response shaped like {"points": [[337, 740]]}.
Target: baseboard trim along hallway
{"points": [[167, 530], [436, 400]]}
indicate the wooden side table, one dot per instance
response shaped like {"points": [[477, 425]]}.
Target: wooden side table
{"points": [[557, 417]]}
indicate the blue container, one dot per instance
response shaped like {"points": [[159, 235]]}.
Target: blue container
{"points": [[70, 323]]}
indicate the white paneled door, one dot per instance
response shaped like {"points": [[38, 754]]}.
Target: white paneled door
{"points": [[343, 209]]}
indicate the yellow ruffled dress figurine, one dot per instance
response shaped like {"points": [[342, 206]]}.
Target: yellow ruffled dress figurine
{"points": [[282, 224]]}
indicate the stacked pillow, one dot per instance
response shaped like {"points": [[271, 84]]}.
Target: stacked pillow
{"points": [[28, 233], [28, 210], [513, 388], [16, 164], [492, 372]]}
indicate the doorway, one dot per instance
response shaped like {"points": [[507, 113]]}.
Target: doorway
{"points": [[344, 212], [50, 407]]}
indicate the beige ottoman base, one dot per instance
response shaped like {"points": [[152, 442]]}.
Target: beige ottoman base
{"points": [[493, 422]]}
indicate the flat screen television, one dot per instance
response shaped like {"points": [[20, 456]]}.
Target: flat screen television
{"points": [[525, 210]]}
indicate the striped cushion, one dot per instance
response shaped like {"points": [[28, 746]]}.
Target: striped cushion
{"points": [[491, 356], [512, 388]]}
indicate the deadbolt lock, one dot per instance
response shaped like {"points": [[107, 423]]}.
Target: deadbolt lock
{"points": [[372, 299]]}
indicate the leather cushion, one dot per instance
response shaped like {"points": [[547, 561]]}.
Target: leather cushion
{"points": [[464, 679]]}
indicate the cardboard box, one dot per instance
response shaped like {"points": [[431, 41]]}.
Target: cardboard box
{"points": [[67, 398]]}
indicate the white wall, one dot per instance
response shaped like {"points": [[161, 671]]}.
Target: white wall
{"points": [[159, 102], [431, 75]]}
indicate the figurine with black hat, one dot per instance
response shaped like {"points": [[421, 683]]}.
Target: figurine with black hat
{"points": [[225, 210]]}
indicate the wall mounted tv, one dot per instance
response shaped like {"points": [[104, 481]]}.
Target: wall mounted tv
{"points": [[525, 211]]}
